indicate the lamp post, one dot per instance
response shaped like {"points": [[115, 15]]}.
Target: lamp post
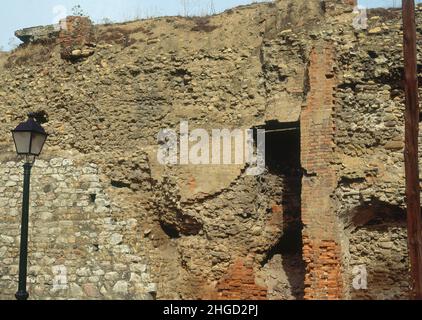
{"points": [[29, 138]]}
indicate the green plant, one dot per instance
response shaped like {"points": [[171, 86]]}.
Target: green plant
{"points": [[78, 11]]}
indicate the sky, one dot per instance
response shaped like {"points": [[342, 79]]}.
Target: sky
{"points": [[18, 14]]}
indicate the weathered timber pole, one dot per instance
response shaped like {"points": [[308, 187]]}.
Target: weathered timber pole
{"points": [[414, 223]]}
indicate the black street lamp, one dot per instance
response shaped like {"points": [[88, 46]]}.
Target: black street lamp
{"points": [[29, 140]]}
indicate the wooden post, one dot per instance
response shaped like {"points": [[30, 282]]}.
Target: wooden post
{"points": [[414, 224]]}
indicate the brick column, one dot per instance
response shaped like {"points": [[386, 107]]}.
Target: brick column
{"points": [[75, 33], [321, 249], [239, 283]]}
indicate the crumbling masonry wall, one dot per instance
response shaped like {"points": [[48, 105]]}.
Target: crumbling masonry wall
{"points": [[75, 33], [188, 224], [369, 143], [378, 241], [120, 225]]}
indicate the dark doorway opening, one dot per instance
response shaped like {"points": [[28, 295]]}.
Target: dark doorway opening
{"points": [[283, 160]]}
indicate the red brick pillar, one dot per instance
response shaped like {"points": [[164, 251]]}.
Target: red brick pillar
{"points": [[239, 283], [321, 250], [74, 34]]}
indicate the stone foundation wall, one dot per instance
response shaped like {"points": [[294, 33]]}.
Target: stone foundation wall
{"points": [[77, 249]]}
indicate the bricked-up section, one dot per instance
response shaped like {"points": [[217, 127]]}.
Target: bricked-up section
{"points": [[321, 251], [239, 283], [75, 33]]}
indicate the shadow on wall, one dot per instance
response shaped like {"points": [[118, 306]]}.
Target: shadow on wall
{"points": [[378, 243], [283, 159]]}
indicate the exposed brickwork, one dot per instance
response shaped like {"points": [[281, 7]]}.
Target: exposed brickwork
{"points": [[74, 34], [321, 251], [239, 284], [323, 278]]}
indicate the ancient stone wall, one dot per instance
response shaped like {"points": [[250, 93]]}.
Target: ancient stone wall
{"points": [[72, 220], [378, 241], [369, 143], [187, 224], [109, 221]]}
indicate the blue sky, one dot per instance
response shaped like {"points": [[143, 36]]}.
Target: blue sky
{"points": [[17, 14]]}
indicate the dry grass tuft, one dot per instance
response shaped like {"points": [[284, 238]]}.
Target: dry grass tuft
{"points": [[202, 25], [385, 14], [120, 35], [30, 54]]}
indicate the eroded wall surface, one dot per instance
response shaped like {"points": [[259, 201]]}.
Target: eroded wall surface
{"points": [[109, 221]]}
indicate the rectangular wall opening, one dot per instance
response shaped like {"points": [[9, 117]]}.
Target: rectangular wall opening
{"points": [[283, 160]]}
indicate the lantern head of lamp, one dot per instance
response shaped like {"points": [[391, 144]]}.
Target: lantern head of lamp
{"points": [[29, 138]]}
